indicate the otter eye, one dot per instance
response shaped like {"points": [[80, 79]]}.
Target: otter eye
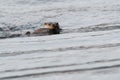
{"points": [[50, 24], [45, 23]]}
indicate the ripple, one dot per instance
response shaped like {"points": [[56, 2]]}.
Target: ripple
{"points": [[61, 49]]}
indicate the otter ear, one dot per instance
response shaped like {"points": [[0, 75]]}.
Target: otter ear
{"points": [[45, 23], [57, 24]]}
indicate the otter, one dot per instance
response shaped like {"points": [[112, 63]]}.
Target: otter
{"points": [[49, 29], [54, 28]]}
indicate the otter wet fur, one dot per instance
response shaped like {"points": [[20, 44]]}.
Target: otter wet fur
{"points": [[50, 28]]}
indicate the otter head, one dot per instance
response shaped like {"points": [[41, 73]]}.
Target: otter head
{"points": [[53, 27], [50, 25]]}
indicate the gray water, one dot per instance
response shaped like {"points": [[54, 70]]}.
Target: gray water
{"points": [[86, 49]]}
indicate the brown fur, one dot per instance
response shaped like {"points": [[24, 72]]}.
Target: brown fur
{"points": [[37, 31], [49, 27]]}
